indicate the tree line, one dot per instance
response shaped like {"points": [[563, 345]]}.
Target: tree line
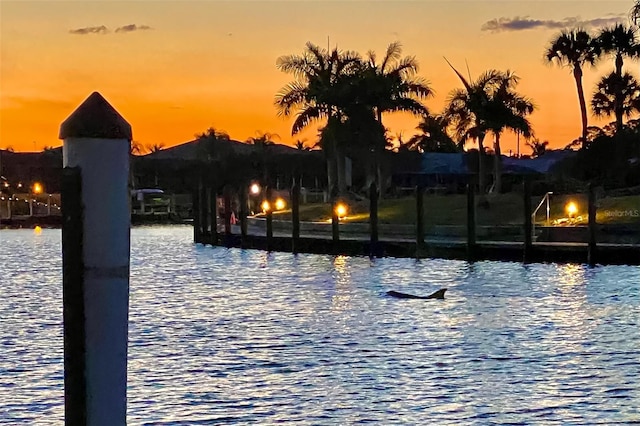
{"points": [[348, 93]]}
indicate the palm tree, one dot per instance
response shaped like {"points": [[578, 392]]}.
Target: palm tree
{"points": [[620, 42], [209, 143], [301, 145], [156, 147], [315, 95], [263, 142], [616, 95], [464, 111], [391, 85], [634, 13], [506, 109], [433, 136], [538, 148], [574, 49]]}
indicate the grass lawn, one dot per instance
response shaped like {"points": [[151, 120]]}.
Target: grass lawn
{"points": [[503, 209]]}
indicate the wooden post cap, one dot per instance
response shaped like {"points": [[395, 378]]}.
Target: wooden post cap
{"points": [[95, 118]]}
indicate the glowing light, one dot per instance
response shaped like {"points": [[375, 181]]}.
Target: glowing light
{"points": [[37, 230], [254, 189], [265, 206], [37, 188], [280, 204], [341, 210], [571, 208]]}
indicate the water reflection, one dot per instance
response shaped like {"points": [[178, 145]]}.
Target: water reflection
{"points": [[234, 336]]}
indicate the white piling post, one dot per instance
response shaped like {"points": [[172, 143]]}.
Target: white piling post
{"points": [[97, 140]]}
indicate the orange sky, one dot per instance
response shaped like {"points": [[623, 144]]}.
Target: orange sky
{"points": [[187, 65]]}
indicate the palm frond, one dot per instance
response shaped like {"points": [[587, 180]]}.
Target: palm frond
{"points": [[291, 96], [306, 117]]}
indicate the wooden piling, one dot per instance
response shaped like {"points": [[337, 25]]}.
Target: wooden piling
{"points": [[227, 215], [471, 220], [373, 217], [212, 198], [295, 216], [269, 215], [419, 217], [204, 211], [335, 220], [195, 208], [243, 216], [592, 248], [528, 223], [75, 402]]}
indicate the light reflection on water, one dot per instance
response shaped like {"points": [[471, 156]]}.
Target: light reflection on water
{"points": [[232, 336]]}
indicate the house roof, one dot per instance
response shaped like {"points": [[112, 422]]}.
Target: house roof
{"points": [[189, 150], [542, 164], [439, 163]]}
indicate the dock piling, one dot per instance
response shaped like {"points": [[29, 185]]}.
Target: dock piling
{"points": [[212, 199], [471, 220], [419, 217], [226, 193], [295, 216], [269, 195], [243, 216], [97, 140], [75, 401], [335, 220], [528, 221], [373, 218], [592, 248]]}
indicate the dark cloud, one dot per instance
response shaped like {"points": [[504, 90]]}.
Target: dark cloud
{"points": [[520, 23], [132, 27], [90, 30]]}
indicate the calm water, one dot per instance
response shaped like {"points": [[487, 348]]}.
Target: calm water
{"points": [[230, 336]]}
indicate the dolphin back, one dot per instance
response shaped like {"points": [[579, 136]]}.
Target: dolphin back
{"points": [[435, 295]]}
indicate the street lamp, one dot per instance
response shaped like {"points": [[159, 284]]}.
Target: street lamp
{"points": [[37, 188], [280, 204], [254, 189]]}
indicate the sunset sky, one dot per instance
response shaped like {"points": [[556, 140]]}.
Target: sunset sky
{"points": [[175, 68]]}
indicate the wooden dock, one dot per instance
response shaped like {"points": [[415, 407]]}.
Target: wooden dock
{"points": [[353, 244]]}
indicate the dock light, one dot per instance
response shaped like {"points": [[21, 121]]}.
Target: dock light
{"points": [[254, 189], [37, 188], [341, 210], [572, 209], [280, 204], [265, 206]]}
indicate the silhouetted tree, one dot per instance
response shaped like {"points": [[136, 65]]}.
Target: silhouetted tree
{"points": [[262, 142], [619, 41], [392, 85], [538, 148], [574, 49], [314, 95], [433, 136], [506, 109], [616, 95], [466, 111]]}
